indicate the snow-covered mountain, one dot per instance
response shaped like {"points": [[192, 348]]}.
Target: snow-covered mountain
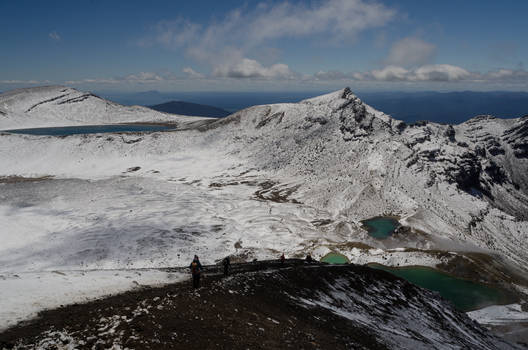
{"points": [[294, 178], [332, 155], [466, 182], [62, 106]]}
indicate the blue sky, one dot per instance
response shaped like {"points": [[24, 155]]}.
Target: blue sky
{"points": [[265, 45]]}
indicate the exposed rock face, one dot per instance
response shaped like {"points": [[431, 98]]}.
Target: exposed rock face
{"points": [[517, 137]]}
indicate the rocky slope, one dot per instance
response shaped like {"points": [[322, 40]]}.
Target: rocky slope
{"points": [[263, 306]]}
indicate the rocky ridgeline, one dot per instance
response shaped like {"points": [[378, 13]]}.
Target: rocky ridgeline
{"points": [[263, 305]]}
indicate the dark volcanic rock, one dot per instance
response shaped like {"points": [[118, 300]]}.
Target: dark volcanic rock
{"points": [[263, 305]]}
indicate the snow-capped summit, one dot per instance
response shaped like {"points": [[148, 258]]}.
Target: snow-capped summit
{"points": [[63, 106], [465, 182]]}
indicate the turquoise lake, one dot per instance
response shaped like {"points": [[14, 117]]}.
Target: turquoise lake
{"points": [[381, 227], [465, 295], [334, 258]]}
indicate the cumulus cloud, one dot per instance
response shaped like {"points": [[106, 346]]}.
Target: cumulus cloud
{"points": [[410, 52], [430, 73], [144, 77], [440, 72], [254, 70], [191, 73], [54, 36], [248, 68], [390, 73]]}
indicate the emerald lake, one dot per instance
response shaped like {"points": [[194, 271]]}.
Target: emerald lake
{"points": [[380, 227], [465, 295], [335, 258]]}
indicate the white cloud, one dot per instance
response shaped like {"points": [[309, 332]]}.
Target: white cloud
{"points": [[508, 75], [440, 72], [54, 36], [143, 78], [242, 28], [339, 17], [191, 73], [425, 73], [226, 44], [390, 73], [410, 52], [248, 68]]}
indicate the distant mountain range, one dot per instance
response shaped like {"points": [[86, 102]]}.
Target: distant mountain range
{"points": [[188, 108], [441, 107]]}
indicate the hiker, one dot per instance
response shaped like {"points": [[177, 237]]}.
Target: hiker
{"points": [[309, 259], [227, 264], [196, 269], [282, 259]]}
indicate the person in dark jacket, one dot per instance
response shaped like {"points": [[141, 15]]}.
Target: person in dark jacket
{"points": [[227, 265], [196, 270], [282, 259]]}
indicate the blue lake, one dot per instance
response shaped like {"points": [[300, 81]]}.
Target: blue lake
{"points": [[91, 129]]}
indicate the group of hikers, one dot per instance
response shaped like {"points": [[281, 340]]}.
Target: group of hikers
{"points": [[196, 267]]}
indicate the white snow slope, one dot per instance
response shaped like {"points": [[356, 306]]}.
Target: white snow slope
{"points": [[62, 106], [292, 178]]}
